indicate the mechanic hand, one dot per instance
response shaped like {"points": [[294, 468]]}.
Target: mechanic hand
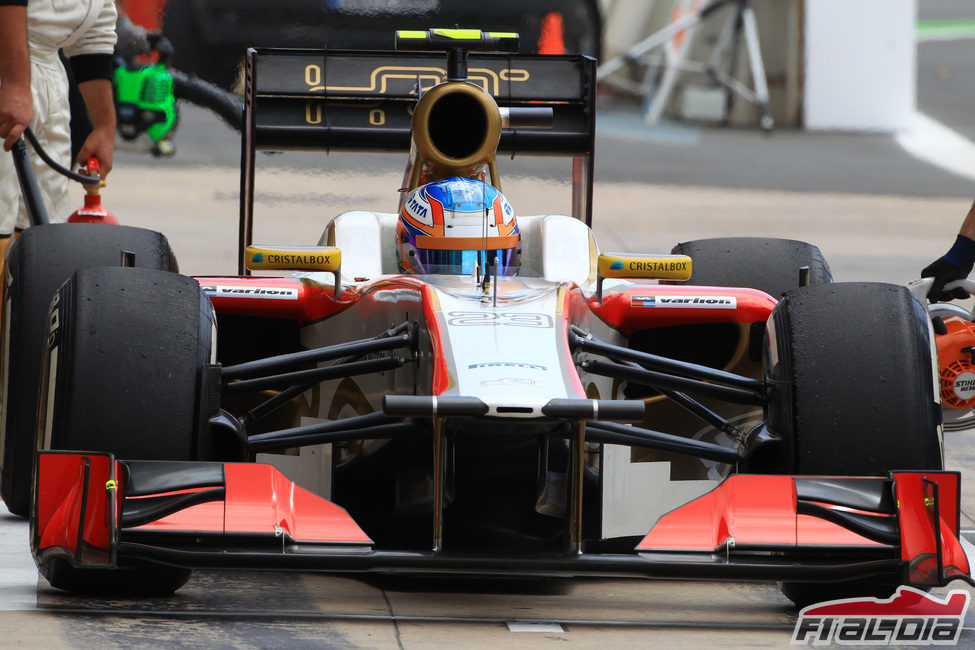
{"points": [[101, 145], [956, 264], [16, 112]]}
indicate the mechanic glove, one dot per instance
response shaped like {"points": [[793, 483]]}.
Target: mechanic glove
{"points": [[956, 264]]}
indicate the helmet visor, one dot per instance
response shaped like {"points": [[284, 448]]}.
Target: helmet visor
{"points": [[462, 262]]}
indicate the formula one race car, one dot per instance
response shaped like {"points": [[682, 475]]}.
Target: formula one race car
{"points": [[460, 389]]}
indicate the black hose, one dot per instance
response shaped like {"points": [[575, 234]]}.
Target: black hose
{"points": [[87, 180], [33, 199], [228, 106]]}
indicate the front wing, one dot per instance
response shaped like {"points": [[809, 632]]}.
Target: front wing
{"points": [[99, 512]]}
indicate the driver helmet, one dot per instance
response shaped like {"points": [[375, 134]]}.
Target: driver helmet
{"points": [[449, 225]]}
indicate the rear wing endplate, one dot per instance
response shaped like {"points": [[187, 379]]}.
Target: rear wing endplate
{"points": [[339, 100]]}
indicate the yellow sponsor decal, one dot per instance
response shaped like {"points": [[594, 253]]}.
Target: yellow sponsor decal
{"points": [[658, 267], [456, 34], [467, 34], [296, 258]]}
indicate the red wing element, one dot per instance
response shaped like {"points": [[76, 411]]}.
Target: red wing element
{"points": [[742, 509], [913, 514], [752, 511], [78, 500], [928, 505], [259, 496], [74, 507]]}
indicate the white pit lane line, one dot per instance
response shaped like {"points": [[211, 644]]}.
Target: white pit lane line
{"points": [[520, 626], [934, 143]]}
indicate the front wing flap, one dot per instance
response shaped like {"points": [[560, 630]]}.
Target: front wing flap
{"points": [[96, 511]]}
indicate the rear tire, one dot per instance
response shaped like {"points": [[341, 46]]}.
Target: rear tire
{"points": [[769, 265], [38, 263], [122, 375], [852, 393]]}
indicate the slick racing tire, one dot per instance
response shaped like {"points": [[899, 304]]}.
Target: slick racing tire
{"points": [[123, 367], [769, 265], [852, 393], [38, 262], [766, 264]]}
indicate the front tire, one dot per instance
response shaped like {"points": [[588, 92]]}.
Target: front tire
{"points": [[852, 393], [124, 360], [122, 374], [851, 381]]}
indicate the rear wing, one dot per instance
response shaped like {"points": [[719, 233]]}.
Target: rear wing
{"points": [[341, 100]]}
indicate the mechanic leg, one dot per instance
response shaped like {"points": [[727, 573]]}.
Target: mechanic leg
{"points": [[50, 125], [54, 135]]}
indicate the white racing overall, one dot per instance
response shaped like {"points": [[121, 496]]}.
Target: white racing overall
{"points": [[77, 27]]}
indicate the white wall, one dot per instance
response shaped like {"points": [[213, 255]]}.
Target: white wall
{"points": [[625, 23], [860, 64]]}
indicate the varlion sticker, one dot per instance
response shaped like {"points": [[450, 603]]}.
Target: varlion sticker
{"points": [[250, 291], [685, 302]]}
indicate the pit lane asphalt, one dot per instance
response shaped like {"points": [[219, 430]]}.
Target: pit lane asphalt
{"points": [[877, 213]]}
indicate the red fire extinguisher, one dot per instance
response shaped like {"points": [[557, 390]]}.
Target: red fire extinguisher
{"points": [[93, 211]]}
